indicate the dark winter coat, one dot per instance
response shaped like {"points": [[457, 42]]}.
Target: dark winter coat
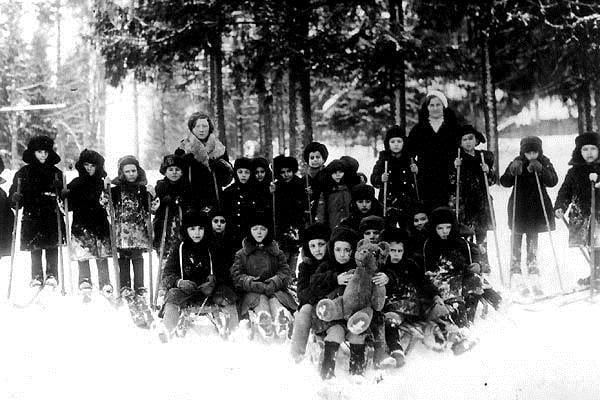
{"points": [[401, 192], [131, 213], [474, 206], [40, 184], [223, 248], [306, 269], [314, 179], [240, 202], [6, 223], [90, 230], [177, 197], [416, 242], [575, 194], [529, 214], [435, 153], [290, 209], [268, 264]]}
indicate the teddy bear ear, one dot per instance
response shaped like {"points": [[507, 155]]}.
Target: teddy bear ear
{"points": [[362, 242], [385, 246]]}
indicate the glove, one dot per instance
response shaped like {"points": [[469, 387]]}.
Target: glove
{"points": [[207, 288], [270, 288], [186, 285], [17, 197], [475, 268], [516, 167], [258, 287], [534, 166]]}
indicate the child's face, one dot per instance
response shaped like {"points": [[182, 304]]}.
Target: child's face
{"points": [[363, 205], [89, 168], [315, 159], [396, 144], [196, 233], [443, 230], [201, 128], [131, 173], [468, 142], [435, 108], [243, 175], [531, 155], [396, 252], [260, 173], [41, 155], [286, 174], [317, 248], [259, 233], [420, 220], [173, 173], [218, 224], [372, 235], [337, 176], [342, 252], [589, 152]]}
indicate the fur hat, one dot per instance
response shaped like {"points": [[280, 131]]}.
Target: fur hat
{"points": [[436, 93], [195, 218], [41, 142], [91, 157], [470, 129], [362, 192], [260, 162], [587, 138], [393, 132], [442, 215], [130, 160], [394, 235], [195, 117], [260, 218], [344, 234], [531, 143], [316, 231], [335, 165], [371, 222], [282, 161], [242, 162], [172, 160], [351, 164], [315, 146]]}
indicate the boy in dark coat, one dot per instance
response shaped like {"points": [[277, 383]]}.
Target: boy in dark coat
{"points": [[174, 193], [529, 215], [334, 199], [262, 177], [418, 233], [290, 206], [223, 245], [7, 218], [261, 273], [401, 193], [314, 250], [363, 205], [130, 199], [190, 277], [575, 194], [474, 209], [315, 154], [240, 198], [41, 185], [90, 231]]}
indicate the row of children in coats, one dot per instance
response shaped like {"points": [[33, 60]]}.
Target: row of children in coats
{"points": [[199, 254]]}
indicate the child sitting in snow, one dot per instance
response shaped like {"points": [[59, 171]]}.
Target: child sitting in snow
{"points": [[41, 184], [526, 170], [6, 219], [222, 244], [90, 231], [575, 195], [130, 199], [417, 233], [335, 199], [363, 205], [261, 273], [190, 277], [314, 250]]}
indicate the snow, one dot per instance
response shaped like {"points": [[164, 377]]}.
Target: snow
{"points": [[68, 350]]}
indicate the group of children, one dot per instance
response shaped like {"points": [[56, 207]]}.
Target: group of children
{"points": [[230, 236]]}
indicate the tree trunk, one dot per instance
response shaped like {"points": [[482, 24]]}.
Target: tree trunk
{"points": [[398, 67], [136, 121], [293, 110], [218, 66], [587, 106], [597, 101], [489, 89]]}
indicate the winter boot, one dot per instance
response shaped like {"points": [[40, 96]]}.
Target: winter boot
{"points": [[534, 280], [51, 282], [360, 321], [35, 283], [265, 324], [330, 310], [357, 359], [328, 363], [107, 290], [399, 356], [381, 359], [518, 286]]}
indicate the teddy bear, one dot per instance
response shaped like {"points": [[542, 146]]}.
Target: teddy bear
{"points": [[361, 297]]}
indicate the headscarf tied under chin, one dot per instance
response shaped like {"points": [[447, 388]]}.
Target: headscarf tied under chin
{"points": [[203, 151]]}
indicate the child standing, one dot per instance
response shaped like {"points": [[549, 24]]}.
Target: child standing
{"points": [[290, 206], [363, 205], [474, 209], [6, 219], [41, 184], [315, 154], [575, 193], [261, 273], [262, 176], [239, 199], [130, 199], [335, 198], [401, 192], [529, 215], [90, 231]]}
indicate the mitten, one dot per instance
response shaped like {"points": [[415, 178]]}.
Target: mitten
{"points": [[257, 287], [270, 288], [186, 285], [207, 288], [516, 167], [16, 198], [475, 268], [534, 166]]}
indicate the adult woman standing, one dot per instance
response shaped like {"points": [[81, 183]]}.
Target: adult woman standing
{"points": [[433, 142]]}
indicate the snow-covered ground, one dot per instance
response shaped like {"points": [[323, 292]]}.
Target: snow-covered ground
{"points": [[68, 350]]}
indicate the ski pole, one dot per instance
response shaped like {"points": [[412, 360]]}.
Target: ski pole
{"points": [[581, 248], [308, 198], [592, 234], [150, 240], [512, 233], [161, 254], [113, 238], [385, 190], [412, 162], [493, 218], [456, 203], [539, 187], [67, 230], [13, 244], [61, 261], [274, 211]]}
